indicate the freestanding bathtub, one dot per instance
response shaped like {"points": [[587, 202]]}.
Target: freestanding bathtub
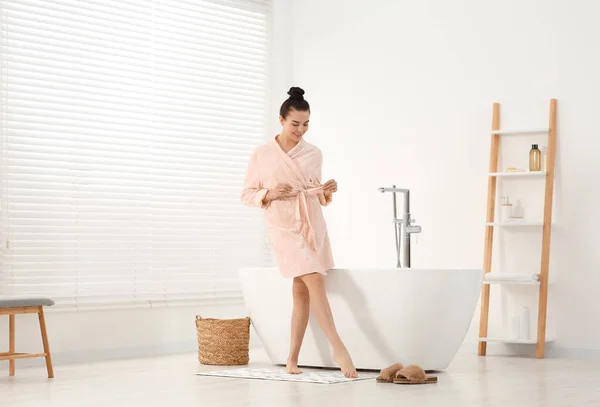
{"points": [[384, 316]]}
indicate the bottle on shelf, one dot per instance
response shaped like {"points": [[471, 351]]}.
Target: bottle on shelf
{"points": [[544, 150], [506, 209], [535, 159]]}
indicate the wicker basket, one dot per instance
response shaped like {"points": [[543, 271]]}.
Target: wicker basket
{"points": [[223, 341]]}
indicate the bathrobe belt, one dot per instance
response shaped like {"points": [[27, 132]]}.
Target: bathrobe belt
{"points": [[302, 215]]}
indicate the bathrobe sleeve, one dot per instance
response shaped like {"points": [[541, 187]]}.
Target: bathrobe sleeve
{"points": [[253, 191], [323, 199]]}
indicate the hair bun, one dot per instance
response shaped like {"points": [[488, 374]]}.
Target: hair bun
{"points": [[296, 93]]}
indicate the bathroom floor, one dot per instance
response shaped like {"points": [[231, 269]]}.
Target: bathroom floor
{"points": [[171, 381]]}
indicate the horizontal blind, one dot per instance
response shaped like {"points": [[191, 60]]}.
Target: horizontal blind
{"points": [[126, 130]]}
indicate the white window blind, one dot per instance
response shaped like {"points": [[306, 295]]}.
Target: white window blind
{"points": [[126, 130]]}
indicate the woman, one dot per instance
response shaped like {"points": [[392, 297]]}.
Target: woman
{"points": [[284, 178]]}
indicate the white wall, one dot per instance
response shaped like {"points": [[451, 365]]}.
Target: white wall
{"points": [[398, 86], [92, 335], [401, 93]]}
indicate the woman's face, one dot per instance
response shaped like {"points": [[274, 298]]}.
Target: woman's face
{"points": [[295, 125]]}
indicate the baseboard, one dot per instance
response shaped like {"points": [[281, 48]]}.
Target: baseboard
{"points": [[67, 358], [191, 347], [574, 353]]}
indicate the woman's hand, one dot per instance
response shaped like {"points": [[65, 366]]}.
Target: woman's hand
{"points": [[330, 187], [280, 191]]}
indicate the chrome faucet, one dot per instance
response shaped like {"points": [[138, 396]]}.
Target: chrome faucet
{"points": [[405, 222]]}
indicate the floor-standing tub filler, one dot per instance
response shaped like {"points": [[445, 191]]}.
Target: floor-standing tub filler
{"points": [[383, 315], [403, 227]]}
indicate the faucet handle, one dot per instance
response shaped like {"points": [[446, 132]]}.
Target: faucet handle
{"points": [[413, 229]]}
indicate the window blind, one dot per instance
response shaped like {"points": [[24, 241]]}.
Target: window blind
{"points": [[125, 134]]}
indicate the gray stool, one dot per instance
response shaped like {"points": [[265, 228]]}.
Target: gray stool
{"points": [[12, 306]]}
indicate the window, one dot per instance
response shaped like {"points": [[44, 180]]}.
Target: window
{"points": [[126, 129]]}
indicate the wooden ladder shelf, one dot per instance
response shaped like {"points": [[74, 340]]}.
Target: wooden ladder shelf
{"points": [[540, 339]]}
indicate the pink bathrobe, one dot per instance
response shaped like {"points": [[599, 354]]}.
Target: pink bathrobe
{"points": [[295, 224]]}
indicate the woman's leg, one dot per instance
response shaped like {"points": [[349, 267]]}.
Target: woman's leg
{"points": [[322, 310], [300, 316]]}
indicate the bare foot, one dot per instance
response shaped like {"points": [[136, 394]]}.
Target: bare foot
{"points": [[292, 367], [343, 359]]}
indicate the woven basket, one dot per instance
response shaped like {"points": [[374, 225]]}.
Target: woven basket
{"points": [[223, 341]]}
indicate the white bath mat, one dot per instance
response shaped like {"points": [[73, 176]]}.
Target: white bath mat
{"points": [[324, 377]]}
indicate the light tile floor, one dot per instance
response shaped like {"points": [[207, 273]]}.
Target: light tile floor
{"points": [[170, 381]]}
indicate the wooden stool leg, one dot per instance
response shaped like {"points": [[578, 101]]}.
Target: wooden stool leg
{"points": [[11, 343], [46, 344]]}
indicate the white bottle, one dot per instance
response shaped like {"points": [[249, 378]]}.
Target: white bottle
{"points": [[525, 327], [544, 163], [518, 212]]}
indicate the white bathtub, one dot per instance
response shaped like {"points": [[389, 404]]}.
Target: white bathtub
{"points": [[383, 316]]}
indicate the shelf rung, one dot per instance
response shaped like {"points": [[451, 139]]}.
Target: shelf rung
{"points": [[521, 131], [509, 340], [518, 174], [514, 224], [509, 282], [511, 278], [532, 341]]}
